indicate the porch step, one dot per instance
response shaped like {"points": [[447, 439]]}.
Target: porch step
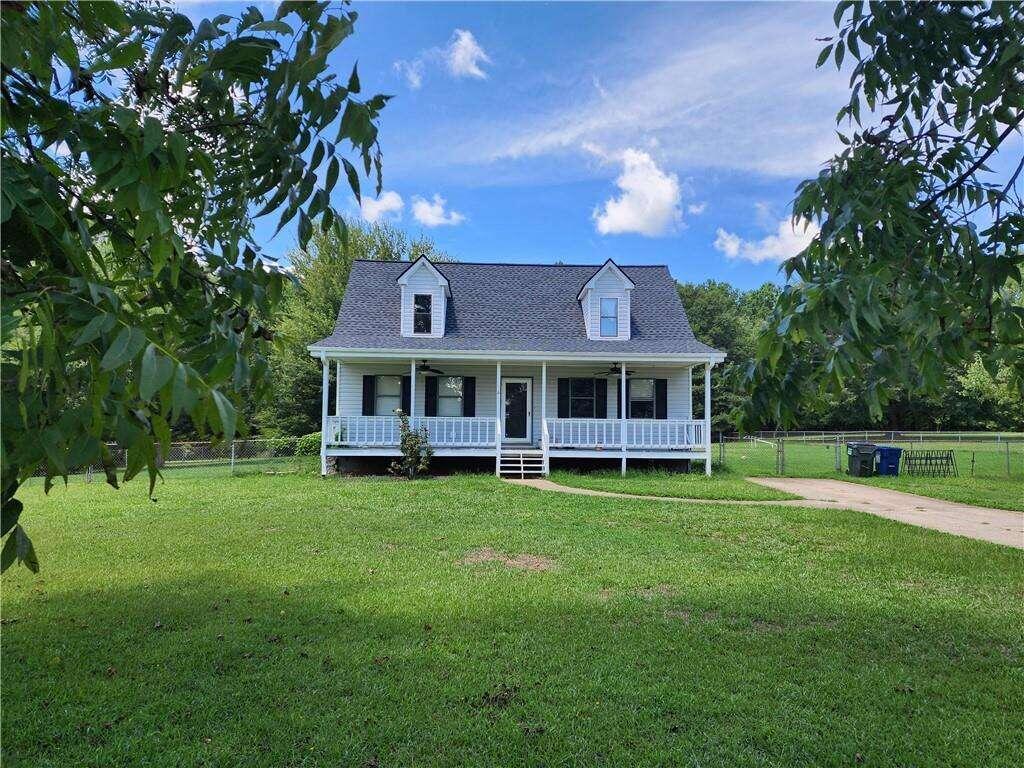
{"points": [[521, 463]]}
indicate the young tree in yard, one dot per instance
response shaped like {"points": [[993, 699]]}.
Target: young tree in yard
{"points": [[309, 311], [137, 149], [915, 269]]}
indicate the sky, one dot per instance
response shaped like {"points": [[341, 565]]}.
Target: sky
{"points": [[577, 132]]}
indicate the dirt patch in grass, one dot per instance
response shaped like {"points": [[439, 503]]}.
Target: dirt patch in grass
{"points": [[524, 561], [658, 590]]}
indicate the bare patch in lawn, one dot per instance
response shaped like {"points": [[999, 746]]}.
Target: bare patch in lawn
{"points": [[524, 561], [658, 590]]}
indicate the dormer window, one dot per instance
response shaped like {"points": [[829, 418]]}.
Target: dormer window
{"points": [[422, 312], [609, 317]]}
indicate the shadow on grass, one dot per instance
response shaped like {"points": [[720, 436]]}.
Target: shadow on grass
{"points": [[479, 666]]}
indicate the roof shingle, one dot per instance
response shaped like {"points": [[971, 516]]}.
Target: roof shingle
{"points": [[512, 307]]}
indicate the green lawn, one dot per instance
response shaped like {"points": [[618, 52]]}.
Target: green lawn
{"points": [[723, 484], [989, 486], [290, 620]]}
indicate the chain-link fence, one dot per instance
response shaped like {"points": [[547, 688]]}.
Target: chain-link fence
{"points": [[257, 455], [820, 454]]}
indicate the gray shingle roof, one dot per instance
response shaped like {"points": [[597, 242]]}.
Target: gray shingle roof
{"points": [[513, 307]]}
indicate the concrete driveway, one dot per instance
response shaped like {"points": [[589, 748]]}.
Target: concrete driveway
{"points": [[996, 525]]}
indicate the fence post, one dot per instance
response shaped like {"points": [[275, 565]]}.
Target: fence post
{"points": [[232, 457], [1007, 458], [839, 466]]}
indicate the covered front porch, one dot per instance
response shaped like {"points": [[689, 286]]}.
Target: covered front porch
{"points": [[517, 410]]}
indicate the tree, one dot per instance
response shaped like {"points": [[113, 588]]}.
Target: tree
{"points": [[137, 150], [728, 319], [917, 265], [309, 311]]}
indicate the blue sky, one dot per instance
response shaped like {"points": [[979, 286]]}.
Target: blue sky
{"points": [[646, 133]]}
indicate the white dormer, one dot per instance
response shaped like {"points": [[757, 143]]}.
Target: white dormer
{"points": [[605, 302], [425, 294]]}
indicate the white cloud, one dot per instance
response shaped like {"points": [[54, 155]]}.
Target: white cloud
{"points": [[412, 71], [464, 55], [649, 203], [386, 204], [433, 213], [696, 209], [740, 95], [786, 242]]}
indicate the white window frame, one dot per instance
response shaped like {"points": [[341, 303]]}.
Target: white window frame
{"points": [[614, 317], [377, 397], [429, 314], [652, 399], [442, 388]]}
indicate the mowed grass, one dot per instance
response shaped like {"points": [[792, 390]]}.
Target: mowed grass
{"points": [[723, 484], [989, 486], [299, 621]]}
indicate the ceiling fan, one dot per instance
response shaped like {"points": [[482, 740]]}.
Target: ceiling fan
{"points": [[424, 368], [614, 370]]}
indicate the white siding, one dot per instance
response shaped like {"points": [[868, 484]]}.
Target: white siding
{"points": [[424, 281], [680, 404]]}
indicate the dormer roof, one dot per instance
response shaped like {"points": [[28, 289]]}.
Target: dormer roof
{"points": [[424, 263], [608, 266]]}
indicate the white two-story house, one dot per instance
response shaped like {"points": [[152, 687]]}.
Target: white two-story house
{"points": [[524, 363]]}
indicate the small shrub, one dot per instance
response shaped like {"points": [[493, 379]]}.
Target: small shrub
{"points": [[415, 447], [308, 445]]}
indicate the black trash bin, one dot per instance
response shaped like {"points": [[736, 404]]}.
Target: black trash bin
{"points": [[860, 459]]}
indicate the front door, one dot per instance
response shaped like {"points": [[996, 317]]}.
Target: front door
{"points": [[518, 415]]}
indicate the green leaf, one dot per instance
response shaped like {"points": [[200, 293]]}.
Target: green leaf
{"points": [[226, 412], [9, 516], [98, 325], [128, 343], [157, 370], [353, 179], [279, 27], [353, 80], [823, 56], [183, 397], [152, 135], [26, 552], [332, 174], [10, 553]]}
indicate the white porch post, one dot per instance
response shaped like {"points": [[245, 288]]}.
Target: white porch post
{"points": [[622, 414], [707, 417], [497, 420], [323, 414], [337, 387], [544, 413], [412, 388]]}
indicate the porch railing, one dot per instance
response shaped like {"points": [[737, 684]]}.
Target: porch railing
{"points": [[662, 434], [443, 431]]}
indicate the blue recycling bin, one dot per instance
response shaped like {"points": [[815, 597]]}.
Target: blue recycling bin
{"points": [[887, 460]]}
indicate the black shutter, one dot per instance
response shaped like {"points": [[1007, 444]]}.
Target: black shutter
{"points": [[430, 393], [661, 398], [563, 398], [369, 395], [407, 395], [600, 398], [469, 395]]}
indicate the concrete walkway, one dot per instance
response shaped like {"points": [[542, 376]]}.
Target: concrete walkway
{"points": [[995, 525]]}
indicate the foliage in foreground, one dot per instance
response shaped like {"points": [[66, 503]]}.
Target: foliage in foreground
{"points": [[415, 447], [917, 265], [349, 631], [137, 149]]}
